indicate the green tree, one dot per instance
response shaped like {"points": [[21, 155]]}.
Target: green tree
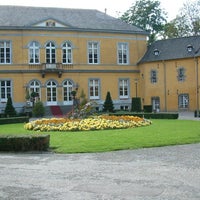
{"points": [[186, 23], [175, 28], [9, 109], [148, 15], [38, 109], [108, 104]]}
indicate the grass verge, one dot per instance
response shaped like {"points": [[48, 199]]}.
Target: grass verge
{"points": [[160, 133]]}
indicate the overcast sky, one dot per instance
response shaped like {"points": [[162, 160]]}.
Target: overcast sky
{"points": [[114, 7]]}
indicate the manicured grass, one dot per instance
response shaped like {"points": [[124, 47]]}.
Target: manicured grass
{"points": [[160, 133]]}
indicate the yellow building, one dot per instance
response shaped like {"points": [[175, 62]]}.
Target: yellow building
{"points": [[169, 75], [52, 51]]}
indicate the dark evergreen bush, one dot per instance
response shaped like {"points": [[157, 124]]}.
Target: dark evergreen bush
{"points": [[10, 110], [38, 109], [136, 104], [108, 104]]}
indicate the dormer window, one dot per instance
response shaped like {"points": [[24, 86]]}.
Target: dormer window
{"points": [[156, 52], [189, 48], [50, 23]]}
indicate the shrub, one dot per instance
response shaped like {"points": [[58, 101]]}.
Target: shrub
{"points": [[14, 120], [136, 104], [10, 110], [24, 142], [38, 109], [149, 115], [195, 113], [148, 108], [108, 104]]}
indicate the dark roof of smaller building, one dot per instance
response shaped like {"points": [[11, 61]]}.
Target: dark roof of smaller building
{"points": [[170, 49], [72, 19]]}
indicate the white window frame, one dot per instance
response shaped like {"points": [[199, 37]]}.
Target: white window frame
{"points": [[124, 88], [123, 53], [34, 86], [50, 90], [94, 89], [5, 52], [34, 53], [5, 90], [93, 52], [51, 55], [67, 89], [67, 53]]}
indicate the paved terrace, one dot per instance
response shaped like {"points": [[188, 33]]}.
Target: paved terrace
{"points": [[166, 173]]}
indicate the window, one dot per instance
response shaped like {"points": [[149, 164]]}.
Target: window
{"points": [[124, 107], [34, 53], [51, 92], [35, 87], [123, 53], [155, 103], [93, 52], [189, 48], [183, 101], [123, 88], [67, 89], [67, 53], [94, 85], [5, 89], [5, 52], [153, 76], [181, 74], [156, 52], [50, 53], [50, 23]]}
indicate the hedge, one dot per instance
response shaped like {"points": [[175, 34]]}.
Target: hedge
{"points": [[14, 120], [24, 142], [150, 115]]}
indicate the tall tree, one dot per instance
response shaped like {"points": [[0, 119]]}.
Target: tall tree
{"points": [[176, 28], [148, 15], [187, 23]]}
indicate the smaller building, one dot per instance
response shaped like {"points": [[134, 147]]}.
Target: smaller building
{"points": [[169, 74]]}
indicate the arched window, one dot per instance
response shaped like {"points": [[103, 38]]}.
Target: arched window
{"points": [[51, 92], [67, 53], [34, 87], [67, 89], [50, 53], [34, 53]]}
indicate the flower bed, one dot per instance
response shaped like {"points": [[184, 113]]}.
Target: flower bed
{"points": [[92, 123]]}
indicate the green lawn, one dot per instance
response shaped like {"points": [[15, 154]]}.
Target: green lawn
{"points": [[160, 133]]}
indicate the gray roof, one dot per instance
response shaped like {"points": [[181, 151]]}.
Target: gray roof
{"points": [[13, 17], [170, 49]]}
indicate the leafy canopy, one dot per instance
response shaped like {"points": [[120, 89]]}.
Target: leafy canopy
{"points": [[186, 23], [148, 15]]}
